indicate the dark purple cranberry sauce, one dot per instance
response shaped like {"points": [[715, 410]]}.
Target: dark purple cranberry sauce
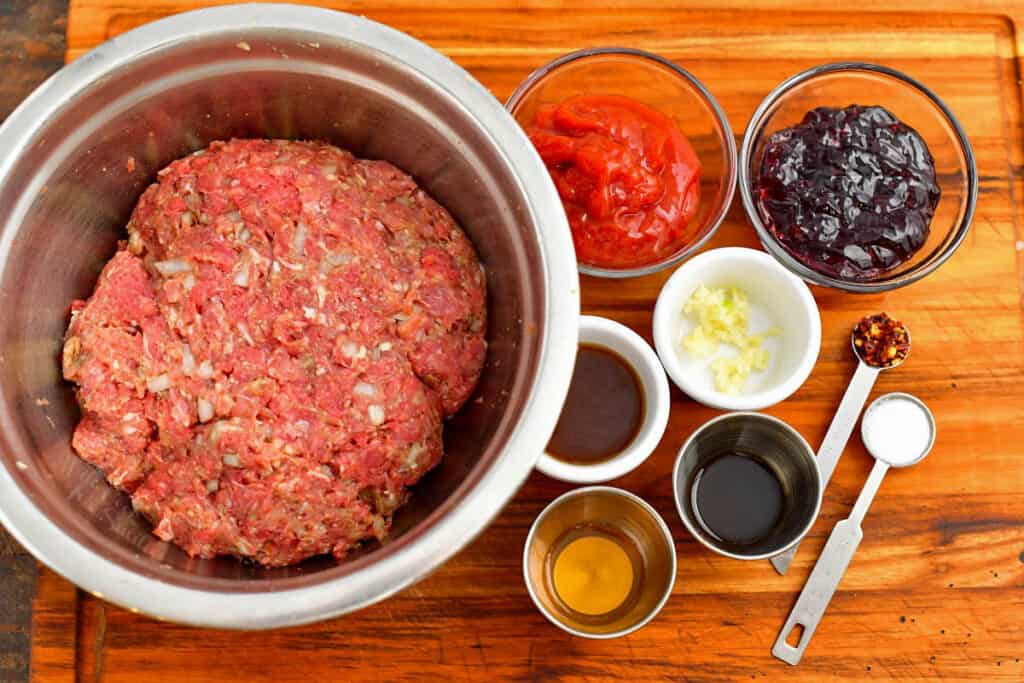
{"points": [[849, 192]]}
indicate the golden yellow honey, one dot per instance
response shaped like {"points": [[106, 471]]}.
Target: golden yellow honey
{"points": [[593, 575]]}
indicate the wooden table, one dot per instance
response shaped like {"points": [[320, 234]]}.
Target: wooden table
{"points": [[31, 48], [937, 589]]}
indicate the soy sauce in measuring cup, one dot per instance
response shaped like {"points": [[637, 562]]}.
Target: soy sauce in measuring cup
{"points": [[737, 498]]}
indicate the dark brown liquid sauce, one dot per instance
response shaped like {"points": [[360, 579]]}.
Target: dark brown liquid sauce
{"points": [[737, 498], [604, 410]]}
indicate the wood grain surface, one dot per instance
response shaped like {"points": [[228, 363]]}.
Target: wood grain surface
{"points": [[937, 588], [31, 48]]}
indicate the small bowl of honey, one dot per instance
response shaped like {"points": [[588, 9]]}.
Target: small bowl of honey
{"points": [[617, 407], [599, 562]]}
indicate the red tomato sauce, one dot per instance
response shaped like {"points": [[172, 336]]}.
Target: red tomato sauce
{"points": [[628, 178]]}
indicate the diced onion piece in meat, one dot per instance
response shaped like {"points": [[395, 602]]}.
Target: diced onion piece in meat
{"points": [[376, 414], [242, 276], [134, 241], [216, 430], [172, 266], [188, 361], [385, 346], [205, 369], [412, 459], [219, 427], [159, 383], [232, 460], [189, 281], [364, 389], [205, 410], [212, 485], [243, 330], [350, 349], [339, 258], [299, 239]]}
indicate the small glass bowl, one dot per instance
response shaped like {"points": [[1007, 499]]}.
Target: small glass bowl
{"points": [[664, 86], [845, 83]]}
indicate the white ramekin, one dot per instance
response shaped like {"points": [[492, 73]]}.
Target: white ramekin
{"points": [[631, 347], [777, 298]]}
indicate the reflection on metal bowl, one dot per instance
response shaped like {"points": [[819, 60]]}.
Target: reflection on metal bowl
{"points": [[169, 88]]}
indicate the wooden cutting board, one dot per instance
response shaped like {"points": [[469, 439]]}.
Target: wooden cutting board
{"points": [[937, 589]]}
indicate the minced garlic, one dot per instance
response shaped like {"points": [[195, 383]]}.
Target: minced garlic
{"points": [[723, 317]]}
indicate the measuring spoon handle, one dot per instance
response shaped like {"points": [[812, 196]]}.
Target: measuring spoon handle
{"points": [[828, 572], [817, 593], [845, 420], [836, 437]]}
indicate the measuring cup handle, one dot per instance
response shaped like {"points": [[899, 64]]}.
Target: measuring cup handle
{"points": [[817, 593]]}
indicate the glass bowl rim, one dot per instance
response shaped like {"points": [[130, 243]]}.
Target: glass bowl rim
{"points": [[732, 160], [771, 244]]}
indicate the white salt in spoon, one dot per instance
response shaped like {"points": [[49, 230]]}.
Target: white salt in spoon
{"points": [[899, 431]]}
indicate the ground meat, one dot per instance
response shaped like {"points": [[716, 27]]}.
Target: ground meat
{"points": [[266, 363]]}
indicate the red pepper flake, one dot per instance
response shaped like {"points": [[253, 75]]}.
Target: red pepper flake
{"points": [[881, 341]]}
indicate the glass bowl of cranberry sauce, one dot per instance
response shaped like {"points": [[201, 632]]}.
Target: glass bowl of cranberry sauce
{"points": [[650, 81], [857, 177]]}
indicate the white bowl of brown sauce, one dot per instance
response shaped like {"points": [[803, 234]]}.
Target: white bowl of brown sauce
{"points": [[617, 408]]}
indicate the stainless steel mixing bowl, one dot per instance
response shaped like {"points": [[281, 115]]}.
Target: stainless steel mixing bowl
{"points": [[166, 89]]}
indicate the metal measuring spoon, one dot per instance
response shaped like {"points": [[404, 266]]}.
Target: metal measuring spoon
{"points": [[856, 394], [846, 536]]}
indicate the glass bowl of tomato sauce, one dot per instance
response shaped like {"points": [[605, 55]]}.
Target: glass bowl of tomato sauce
{"points": [[857, 177], [640, 152]]}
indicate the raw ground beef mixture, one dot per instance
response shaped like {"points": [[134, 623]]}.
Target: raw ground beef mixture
{"points": [[266, 364]]}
